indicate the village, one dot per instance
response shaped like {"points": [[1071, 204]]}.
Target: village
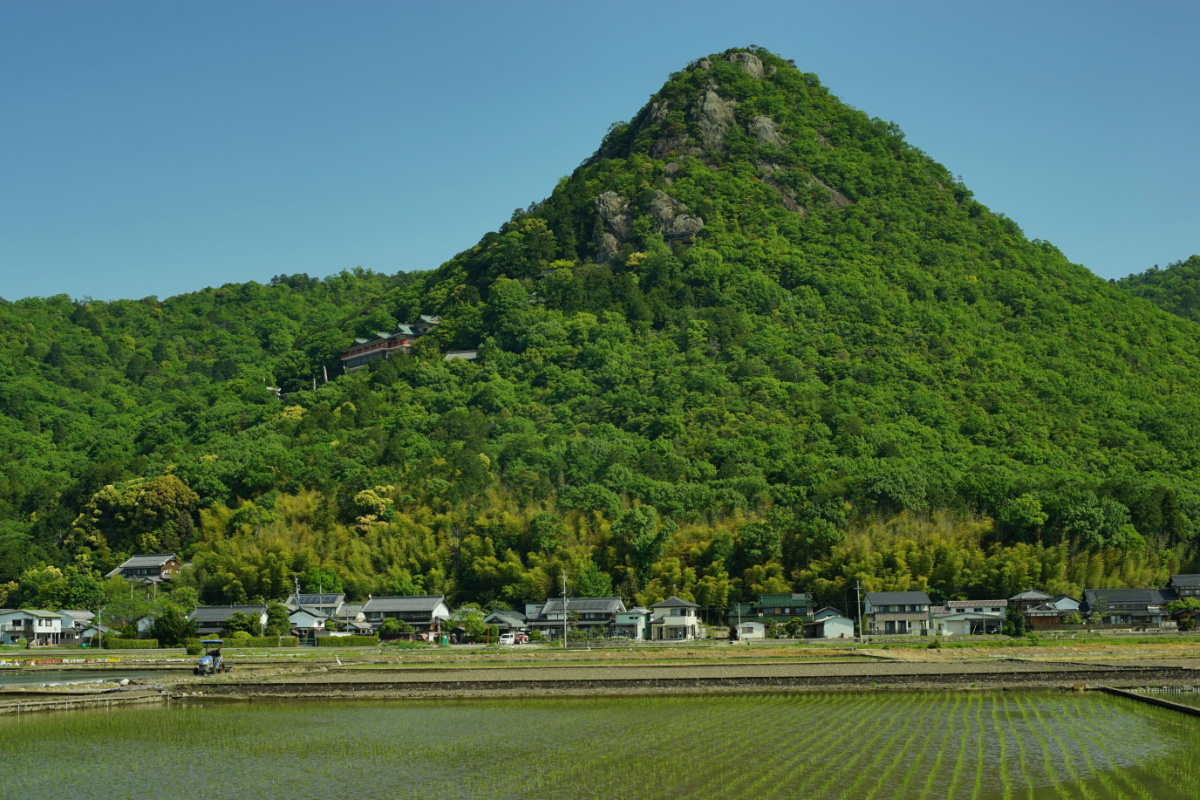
{"points": [[331, 616]]}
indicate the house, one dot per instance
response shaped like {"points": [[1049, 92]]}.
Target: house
{"points": [[74, 622], [1139, 608], [897, 613], [968, 617], [674, 620], [150, 568], [584, 613], [383, 345], [782, 608], [37, 627], [327, 604], [210, 620], [751, 629], [633, 624], [507, 621], [829, 623], [307, 623], [1185, 585], [1028, 599], [424, 613]]}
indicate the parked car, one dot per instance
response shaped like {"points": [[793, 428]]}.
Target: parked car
{"points": [[508, 638]]}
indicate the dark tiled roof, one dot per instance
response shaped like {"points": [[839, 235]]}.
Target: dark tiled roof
{"points": [[1127, 599], [1190, 581], [222, 613], [514, 619], [148, 560], [584, 605], [898, 598], [427, 603], [674, 602]]}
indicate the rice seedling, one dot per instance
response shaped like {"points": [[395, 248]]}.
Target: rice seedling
{"points": [[875, 746]]}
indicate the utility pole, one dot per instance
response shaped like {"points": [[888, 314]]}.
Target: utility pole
{"points": [[858, 594], [564, 580]]}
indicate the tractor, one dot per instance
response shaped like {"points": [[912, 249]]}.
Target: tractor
{"points": [[212, 660]]}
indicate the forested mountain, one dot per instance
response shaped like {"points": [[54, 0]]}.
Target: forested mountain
{"points": [[1175, 289], [757, 341]]}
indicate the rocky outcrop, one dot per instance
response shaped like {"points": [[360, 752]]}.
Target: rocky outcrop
{"points": [[671, 217], [750, 64], [614, 210], [613, 227], [837, 198], [714, 117], [763, 129]]}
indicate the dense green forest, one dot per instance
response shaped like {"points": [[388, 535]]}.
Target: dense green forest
{"points": [[756, 342], [1176, 288]]}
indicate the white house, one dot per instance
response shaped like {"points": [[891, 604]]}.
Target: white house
{"points": [[307, 623], [897, 613], [675, 620], [39, 628], [634, 623], [829, 623], [751, 630], [967, 617]]}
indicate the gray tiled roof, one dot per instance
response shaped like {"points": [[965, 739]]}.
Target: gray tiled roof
{"points": [[1128, 599], [1190, 581], [349, 610], [674, 602], [427, 603], [514, 619], [148, 560], [1030, 594], [584, 605], [898, 598], [222, 613]]}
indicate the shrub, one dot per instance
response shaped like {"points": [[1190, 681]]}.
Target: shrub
{"points": [[262, 641], [536, 636], [193, 647], [113, 643], [347, 641]]}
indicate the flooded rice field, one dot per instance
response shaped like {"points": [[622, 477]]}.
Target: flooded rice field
{"points": [[980, 745], [11, 679]]}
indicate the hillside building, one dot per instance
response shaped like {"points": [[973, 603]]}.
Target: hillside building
{"points": [[383, 345]]}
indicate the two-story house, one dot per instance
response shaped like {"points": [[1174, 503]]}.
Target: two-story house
{"points": [[39, 628], [580, 613], [674, 620], [329, 604], [968, 617], [150, 568], [1185, 585], [782, 608], [1138, 608], [897, 613], [210, 620], [423, 613]]}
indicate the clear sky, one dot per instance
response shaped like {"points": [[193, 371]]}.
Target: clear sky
{"points": [[157, 148]]}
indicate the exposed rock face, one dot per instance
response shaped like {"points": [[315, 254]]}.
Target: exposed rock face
{"points": [[837, 198], [614, 210], [715, 117], [658, 111], [763, 129], [787, 195], [671, 217], [613, 227], [749, 63]]}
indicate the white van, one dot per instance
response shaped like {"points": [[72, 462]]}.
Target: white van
{"points": [[508, 638]]}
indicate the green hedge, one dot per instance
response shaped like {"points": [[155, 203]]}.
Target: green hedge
{"points": [[347, 641], [112, 643], [264, 641]]}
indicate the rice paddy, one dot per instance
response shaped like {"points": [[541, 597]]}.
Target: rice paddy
{"points": [[875, 746]]}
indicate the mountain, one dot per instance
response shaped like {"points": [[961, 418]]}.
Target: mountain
{"points": [[756, 342], [1175, 289]]}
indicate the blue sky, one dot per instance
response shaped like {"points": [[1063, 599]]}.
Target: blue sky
{"points": [[157, 148]]}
